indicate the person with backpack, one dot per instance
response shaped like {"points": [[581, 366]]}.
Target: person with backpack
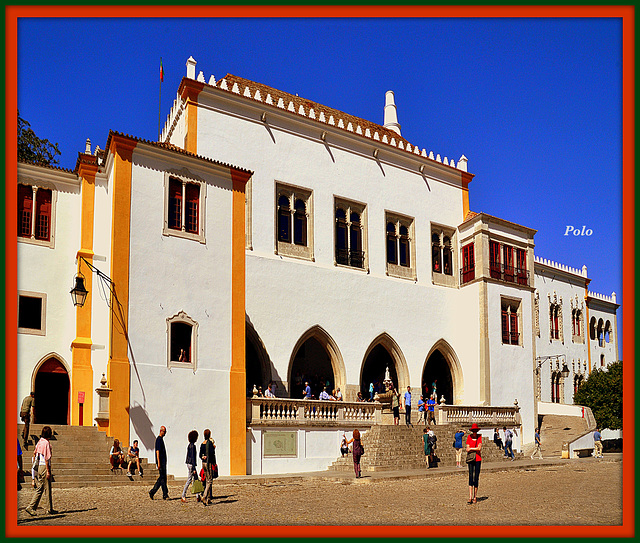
{"points": [[432, 438], [358, 451]]}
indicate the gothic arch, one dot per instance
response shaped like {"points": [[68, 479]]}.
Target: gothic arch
{"points": [[402, 370], [453, 363], [255, 346], [335, 356]]}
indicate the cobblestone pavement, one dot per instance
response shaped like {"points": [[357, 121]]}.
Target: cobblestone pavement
{"points": [[577, 492]]}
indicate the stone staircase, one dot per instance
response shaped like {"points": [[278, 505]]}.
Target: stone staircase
{"points": [[558, 429], [389, 447], [81, 459]]}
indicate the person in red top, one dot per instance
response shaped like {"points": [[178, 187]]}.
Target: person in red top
{"points": [[474, 443]]}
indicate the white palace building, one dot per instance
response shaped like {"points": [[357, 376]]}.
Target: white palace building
{"points": [[266, 238]]}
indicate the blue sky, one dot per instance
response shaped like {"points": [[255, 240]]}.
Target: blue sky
{"points": [[533, 103]]}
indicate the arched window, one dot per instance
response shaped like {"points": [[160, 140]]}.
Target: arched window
{"points": [[436, 263], [592, 328], [404, 247], [284, 220], [602, 361], [447, 256], [600, 333], [607, 331], [300, 223], [495, 270], [392, 253], [342, 243]]}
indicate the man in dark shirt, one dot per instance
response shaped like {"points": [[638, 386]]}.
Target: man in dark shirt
{"points": [[161, 463]]}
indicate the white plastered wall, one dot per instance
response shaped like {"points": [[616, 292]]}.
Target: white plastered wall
{"points": [[49, 271], [167, 275]]}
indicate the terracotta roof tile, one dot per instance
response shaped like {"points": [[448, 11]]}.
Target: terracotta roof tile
{"points": [[173, 148]]}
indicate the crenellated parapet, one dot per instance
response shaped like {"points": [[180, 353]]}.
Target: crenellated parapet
{"points": [[603, 297], [388, 134], [562, 267]]}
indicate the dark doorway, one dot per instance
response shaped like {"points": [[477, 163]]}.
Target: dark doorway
{"points": [[51, 404], [312, 363], [437, 370], [374, 369]]}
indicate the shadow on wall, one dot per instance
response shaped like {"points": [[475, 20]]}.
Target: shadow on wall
{"points": [[142, 426]]}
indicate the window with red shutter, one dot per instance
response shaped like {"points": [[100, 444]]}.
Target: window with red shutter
{"points": [[521, 262], [468, 263], [507, 253], [25, 210], [175, 204], [505, 326], [192, 196], [514, 328], [494, 260], [43, 214]]}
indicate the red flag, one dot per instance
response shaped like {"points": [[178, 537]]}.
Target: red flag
{"points": [[161, 72]]}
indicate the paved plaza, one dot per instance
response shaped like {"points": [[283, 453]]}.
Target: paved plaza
{"points": [[585, 491]]}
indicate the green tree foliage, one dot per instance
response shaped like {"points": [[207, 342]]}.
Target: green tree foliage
{"points": [[33, 149], [602, 392]]}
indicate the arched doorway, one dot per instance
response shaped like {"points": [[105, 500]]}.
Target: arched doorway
{"points": [[257, 366], [382, 353], [374, 369], [316, 359], [312, 363], [51, 385], [443, 369]]}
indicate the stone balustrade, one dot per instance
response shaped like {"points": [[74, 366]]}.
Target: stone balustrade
{"points": [[482, 415], [292, 412]]}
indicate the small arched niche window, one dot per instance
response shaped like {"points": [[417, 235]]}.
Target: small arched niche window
{"points": [[300, 223], [592, 328], [284, 219], [182, 335]]}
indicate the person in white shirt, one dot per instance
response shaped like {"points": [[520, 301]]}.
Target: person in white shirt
{"points": [[269, 393]]}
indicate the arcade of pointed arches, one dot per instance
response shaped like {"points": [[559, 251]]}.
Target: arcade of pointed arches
{"points": [[316, 358]]}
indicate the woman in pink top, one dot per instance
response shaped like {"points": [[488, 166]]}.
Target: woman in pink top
{"points": [[42, 453], [474, 443]]}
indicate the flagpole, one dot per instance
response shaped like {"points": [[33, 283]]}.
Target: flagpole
{"points": [[160, 100]]}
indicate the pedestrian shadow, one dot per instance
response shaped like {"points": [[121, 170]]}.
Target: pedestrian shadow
{"points": [[222, 497], [482, 498], [59, 514], [226, 501]]}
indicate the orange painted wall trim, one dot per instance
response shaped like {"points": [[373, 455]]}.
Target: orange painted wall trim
{"points": [[466, 179], [189, 91], [81, 368], [237, 374], [118, 370]]}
